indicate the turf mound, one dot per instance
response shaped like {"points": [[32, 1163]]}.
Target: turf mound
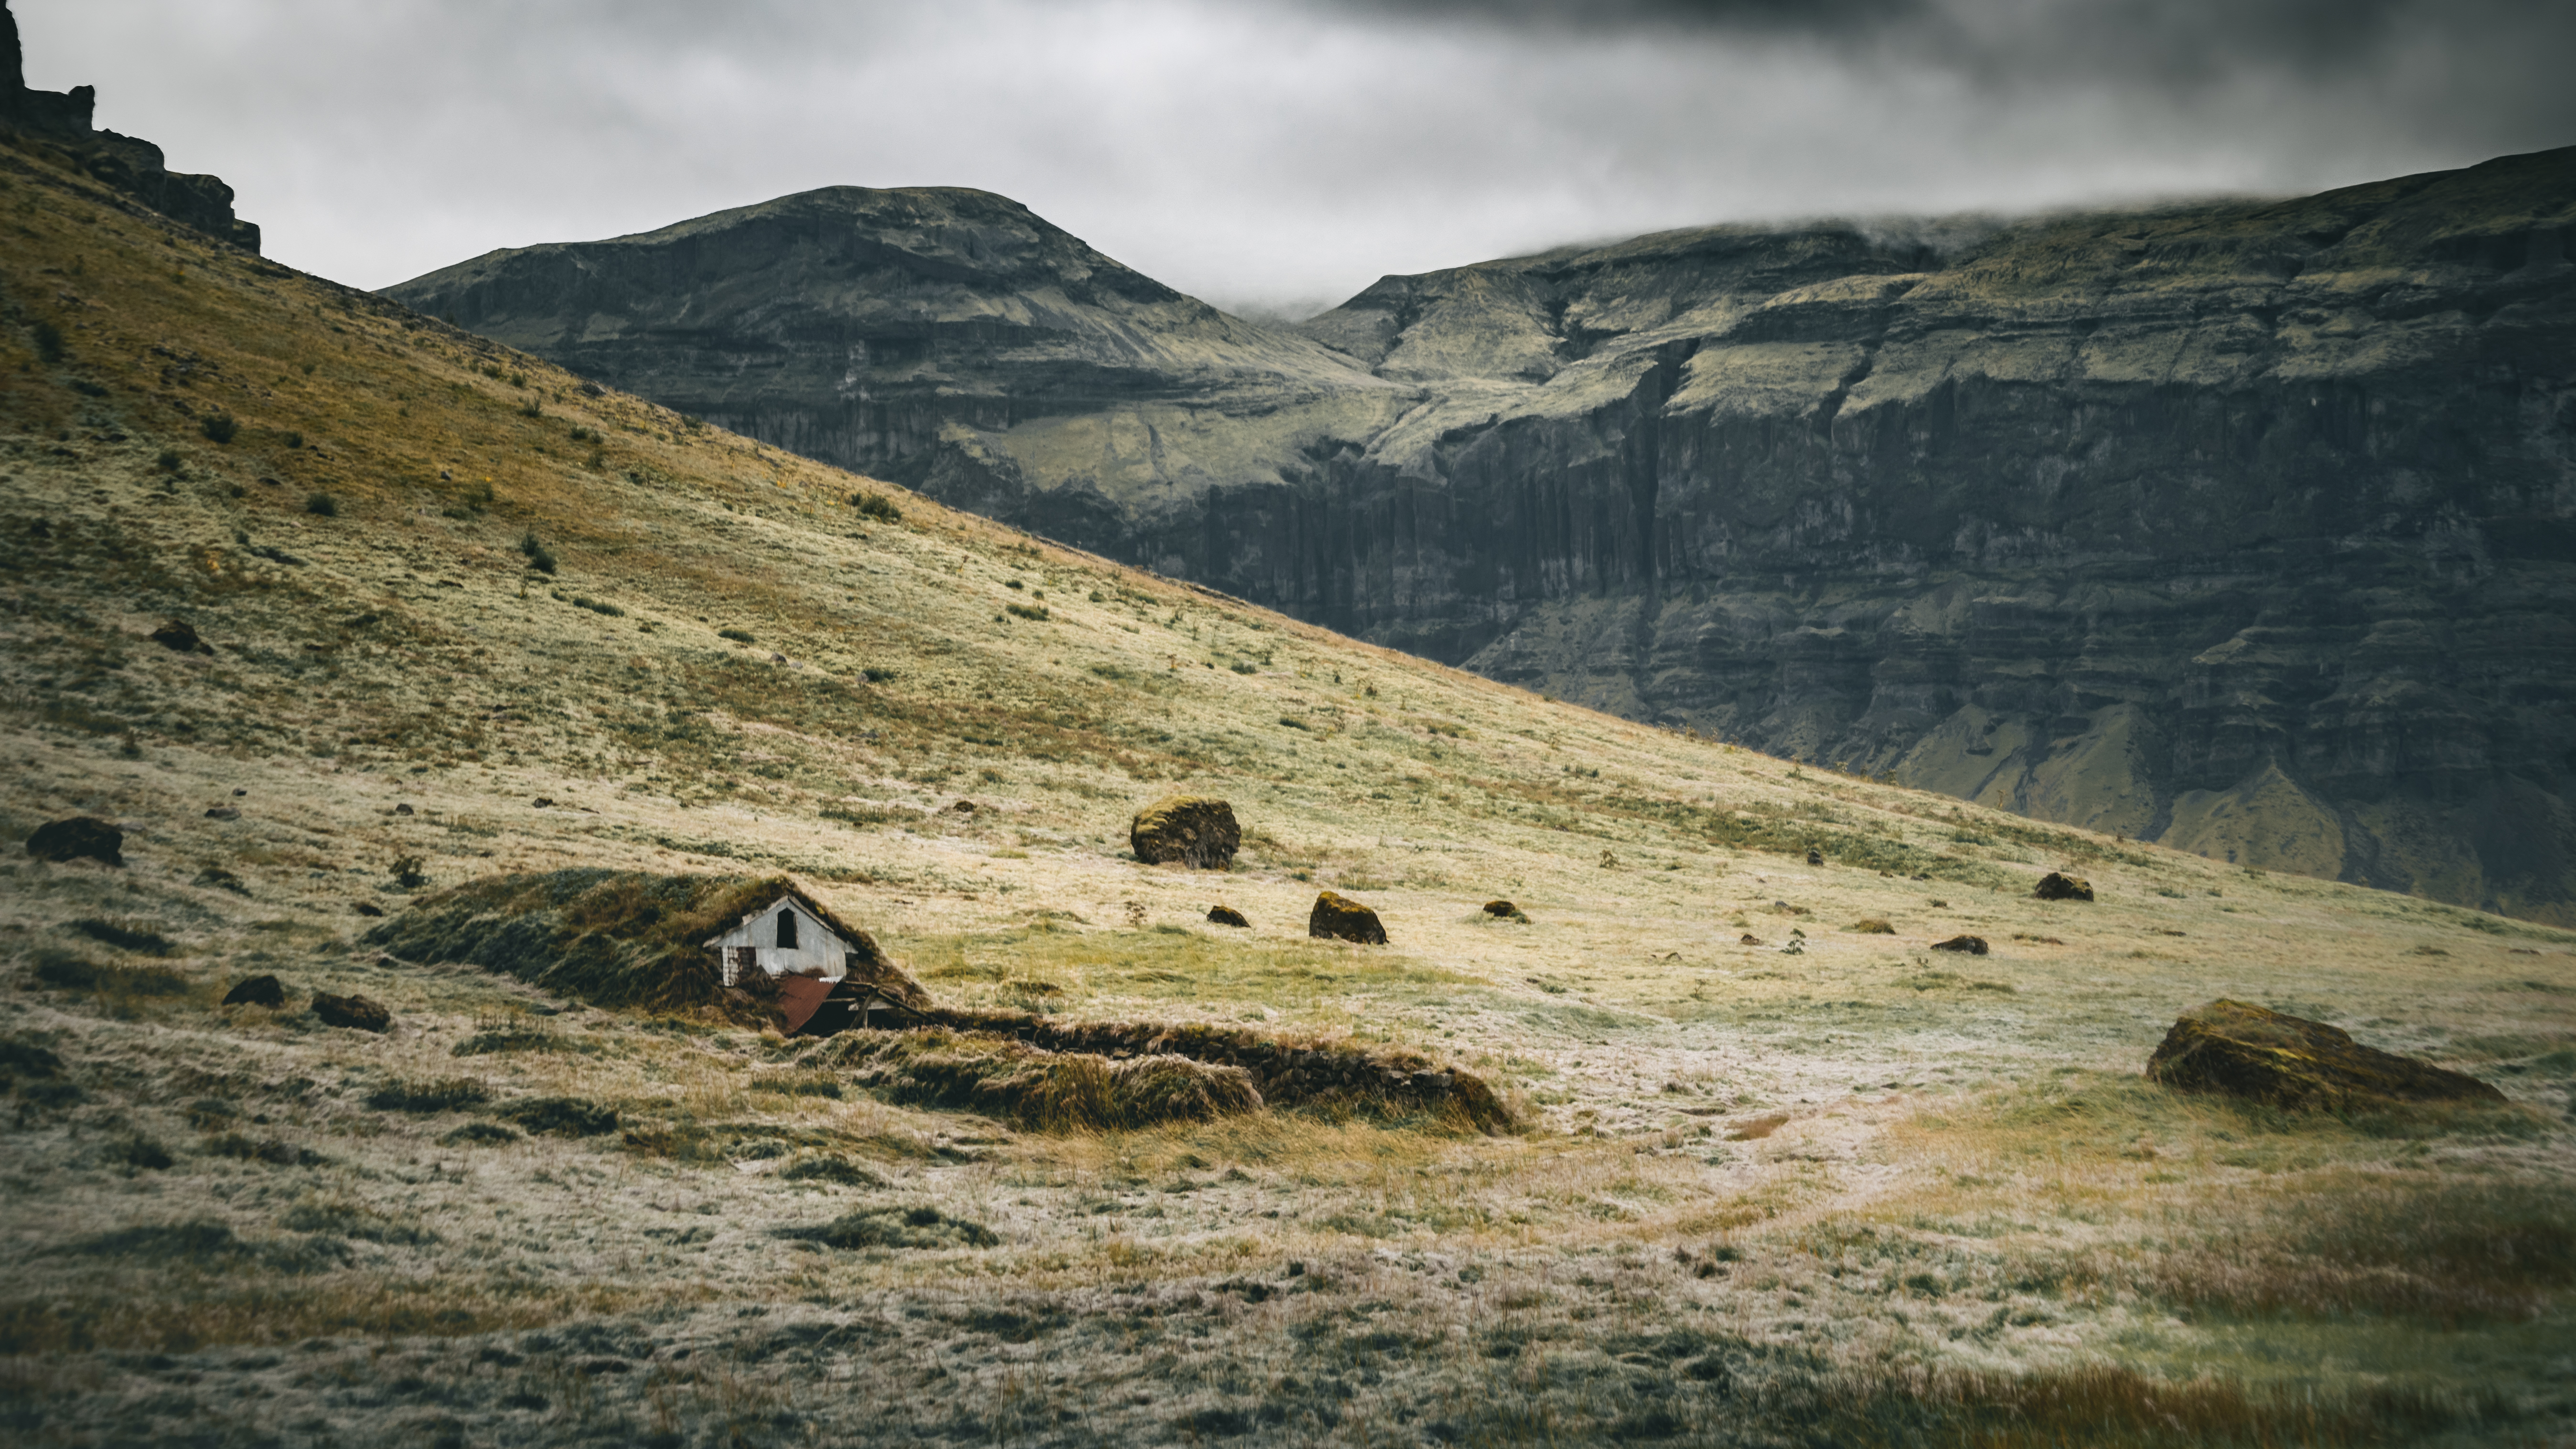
{"points": [[610, 938], [1044, 1090], [1063, 1075]]}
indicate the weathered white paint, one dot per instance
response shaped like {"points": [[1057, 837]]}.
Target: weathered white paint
{"points": [[818, 951]]}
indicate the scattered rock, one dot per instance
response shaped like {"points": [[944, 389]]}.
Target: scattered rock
{"points": [[1339, 918], [1226, 916], [2261, 1055], [256, 991], [1505, 910], [223, 880], [179, 636], [358, 1013], [1815, 857], [1196, 830], [224, 812], [83, 837], [1973, 945], [1873, 926], [831, 1167], [2056, 887]]}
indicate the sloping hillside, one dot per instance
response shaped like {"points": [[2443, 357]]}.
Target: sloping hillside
{"points": [[331, 607], [2240, 526]]}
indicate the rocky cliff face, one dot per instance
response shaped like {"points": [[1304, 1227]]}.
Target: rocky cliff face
{"points": [[2247, 527], [60, 121]]}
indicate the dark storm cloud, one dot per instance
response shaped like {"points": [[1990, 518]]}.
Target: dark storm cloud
{"points": [[1284, 153]]}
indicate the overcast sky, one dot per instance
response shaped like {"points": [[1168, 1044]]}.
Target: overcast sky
{"points": [[1281, 154]]}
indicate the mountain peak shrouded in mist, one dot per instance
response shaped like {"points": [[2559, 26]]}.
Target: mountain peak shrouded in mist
{"points": [[2171, 522]]}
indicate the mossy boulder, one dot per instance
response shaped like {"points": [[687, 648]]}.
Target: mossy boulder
{"points": [[1337, 917], [261, 990], [358, 1013], [2261, 1055], [1199, 831], [2056, 886]]}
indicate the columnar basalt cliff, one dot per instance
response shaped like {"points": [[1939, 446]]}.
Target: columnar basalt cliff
{"points": [[60, 121], [2248, 527]]}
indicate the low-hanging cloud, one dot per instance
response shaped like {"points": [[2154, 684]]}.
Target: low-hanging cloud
{"points": [[1280, 154]]}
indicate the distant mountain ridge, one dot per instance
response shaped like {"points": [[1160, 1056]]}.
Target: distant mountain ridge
{"points": [[2249, 527]]}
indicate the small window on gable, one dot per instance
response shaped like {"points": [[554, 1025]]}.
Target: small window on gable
{"points": [[787, 930]]}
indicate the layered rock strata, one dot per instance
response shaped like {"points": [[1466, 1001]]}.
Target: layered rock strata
{"points": [[60, 120], [2249, 527]]}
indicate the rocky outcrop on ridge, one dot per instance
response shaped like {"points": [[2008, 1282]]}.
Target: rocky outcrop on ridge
{"points": [[2249, 527], [60, 120]]}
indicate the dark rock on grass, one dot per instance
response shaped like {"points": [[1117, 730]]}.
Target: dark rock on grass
{"points": [[179, 636], [1815, 857], [2056, 887], [479, 1132], [218, 878], [1748, 939], [256, 991], [1196, 830], [358, 1013], [368, 908], [83, 837], [223, 812], [2261, 1055], [1337, 917], [1973, 945], [562, 1116], [827, 1167], [1226, 916], [894, 1227], [1506, 911]]}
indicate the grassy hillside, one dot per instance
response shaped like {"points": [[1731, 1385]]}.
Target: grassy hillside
{"points": [[464, 618]]}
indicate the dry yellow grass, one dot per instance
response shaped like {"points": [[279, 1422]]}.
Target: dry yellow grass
{"points": [[1834, 1178]]}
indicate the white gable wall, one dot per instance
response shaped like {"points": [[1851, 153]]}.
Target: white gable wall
{"points": [[818, 951]]}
